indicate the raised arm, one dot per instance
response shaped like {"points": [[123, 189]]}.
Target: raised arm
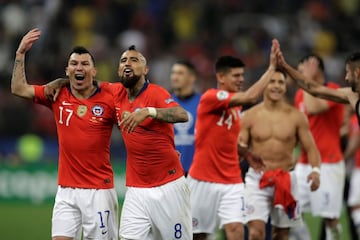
{"points": [[316, 89], [255, 91], [311, 69], [19, 85]]}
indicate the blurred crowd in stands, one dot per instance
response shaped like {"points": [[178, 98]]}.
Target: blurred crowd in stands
{"points": [[165, 31]]}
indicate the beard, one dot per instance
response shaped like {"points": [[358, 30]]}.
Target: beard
{"points": [[129, 82]]}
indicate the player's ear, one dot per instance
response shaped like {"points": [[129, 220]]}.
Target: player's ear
{"points": [[357, 72], [220, 77], [146, 70], [66, 71]]}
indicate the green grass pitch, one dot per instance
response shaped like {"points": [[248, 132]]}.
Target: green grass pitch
{"points": [[20, 221]]}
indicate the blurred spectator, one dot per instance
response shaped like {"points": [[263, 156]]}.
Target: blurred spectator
{"points": [[167, 30]]}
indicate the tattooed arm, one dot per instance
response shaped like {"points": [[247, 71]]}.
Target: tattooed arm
{"points": [[340, 95], [19, 85], [169, 115]]}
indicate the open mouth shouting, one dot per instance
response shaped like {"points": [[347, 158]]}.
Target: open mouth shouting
{"points": [[128, 72], [79, 76]]}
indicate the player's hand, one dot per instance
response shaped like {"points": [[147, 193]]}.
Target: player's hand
{"points": [[314, 178], [28, 40], [280, 60], [130, 121], [52, 89], [255, 161], [274, 49]]}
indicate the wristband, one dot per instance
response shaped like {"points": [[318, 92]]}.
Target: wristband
{"points": [[316, 169], [152, 112]]}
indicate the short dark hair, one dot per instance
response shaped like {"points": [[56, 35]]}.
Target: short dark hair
{"points": [[187, 64], [224, 63], [353, 57], [310, 55], [282, 71], [82, 50]]}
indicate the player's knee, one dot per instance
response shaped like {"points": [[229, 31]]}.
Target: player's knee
{"points": [[200, 236], [256, 233], [280, 233], [234, 230]]}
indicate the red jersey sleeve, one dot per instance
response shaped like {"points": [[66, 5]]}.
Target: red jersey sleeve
{"points": [[40, 96]]}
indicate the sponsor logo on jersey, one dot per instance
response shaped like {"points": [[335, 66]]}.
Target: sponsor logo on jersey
{"points": [[65, 103], [222, 95], [81, 111], [97, 110]]}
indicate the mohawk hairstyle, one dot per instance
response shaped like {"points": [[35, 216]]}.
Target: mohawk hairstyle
{"points": [[132, 47]]}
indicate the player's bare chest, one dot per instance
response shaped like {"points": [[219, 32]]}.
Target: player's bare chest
{"points": [[278, 126]]}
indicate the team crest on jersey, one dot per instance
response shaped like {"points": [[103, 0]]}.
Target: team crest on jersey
{"points": [[81, 111], [97, 110], [169, 100], [222, 95]]}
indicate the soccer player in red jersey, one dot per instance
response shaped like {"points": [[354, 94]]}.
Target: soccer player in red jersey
{"points": [[86, 202], [157, 200], [216, 186], [325, 119]]}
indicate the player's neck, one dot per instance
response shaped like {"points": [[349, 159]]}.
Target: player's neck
{"points": [[137, 89], [84, 93], [273, 104]]}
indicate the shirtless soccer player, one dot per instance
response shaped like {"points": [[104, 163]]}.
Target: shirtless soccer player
{"points": [[271, 129]]}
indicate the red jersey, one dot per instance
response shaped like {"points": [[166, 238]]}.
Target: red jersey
{"points": [[325, 128], [84, 129], [216, 133], [151, 156]]}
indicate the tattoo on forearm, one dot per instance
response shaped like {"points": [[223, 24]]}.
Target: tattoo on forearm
{"points": [[303, 84], [18, 69], [171, 115]]}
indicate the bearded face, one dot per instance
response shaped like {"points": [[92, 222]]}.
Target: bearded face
{"points": [[129, 81], [132, 68]]}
